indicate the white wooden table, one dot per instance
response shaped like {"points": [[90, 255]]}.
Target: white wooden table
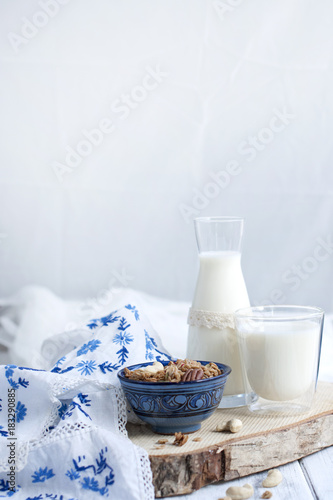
{"points": [[306, 479]]}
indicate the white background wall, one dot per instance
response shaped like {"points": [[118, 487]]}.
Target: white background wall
{"points": [[231, 66]]}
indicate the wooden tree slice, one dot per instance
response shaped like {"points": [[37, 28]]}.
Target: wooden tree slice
{"points": [[263, 442]]}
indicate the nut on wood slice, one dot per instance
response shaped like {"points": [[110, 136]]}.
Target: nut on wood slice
{"points": [[263, 443]]}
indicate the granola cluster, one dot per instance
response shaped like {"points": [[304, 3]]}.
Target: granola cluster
{"points": [[183, 370]]}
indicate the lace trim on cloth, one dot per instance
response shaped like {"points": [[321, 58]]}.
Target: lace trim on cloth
{"points": [[122, 410], [210, 319], [21, 455], [146, 478], [61, 432]]}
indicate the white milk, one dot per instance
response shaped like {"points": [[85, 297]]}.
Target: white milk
{"points": [[220, 288], [281, 366]]}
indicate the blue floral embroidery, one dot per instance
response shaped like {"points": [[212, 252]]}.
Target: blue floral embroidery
{"points": [[4, 485], [72, 474], [93, 324], [23, 383], [42, 475], [62, 410], [151, 346], [20, 411], [123, 338], [30, 369], [122, 325], [9, 372], [134, 310], [0, 405], [104, 367], [60, 361], [57, 369], [92, 483], [91, 346], [86, 367], [122, 355], [56, 497], [111, 318], [5, 488], [89, 483], [50, 495], [83, 398], [4, 434], [13, 384]]}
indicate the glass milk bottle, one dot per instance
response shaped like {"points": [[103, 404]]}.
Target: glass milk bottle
{"points": [[219, 292]]}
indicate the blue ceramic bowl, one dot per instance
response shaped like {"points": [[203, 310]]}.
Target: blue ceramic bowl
{"points": [[171, 407]]}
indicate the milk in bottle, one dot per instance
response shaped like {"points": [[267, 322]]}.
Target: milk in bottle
{"points": [[219, 292]]}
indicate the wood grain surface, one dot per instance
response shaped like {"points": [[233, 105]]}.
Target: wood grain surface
{"points": [[264, 442]]}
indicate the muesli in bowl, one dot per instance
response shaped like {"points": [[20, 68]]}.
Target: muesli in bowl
{"points": [[182, 370], [174, 396]]}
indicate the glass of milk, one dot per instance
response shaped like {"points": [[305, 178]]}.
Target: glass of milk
{"points": [[280, 352], [220, 290]]}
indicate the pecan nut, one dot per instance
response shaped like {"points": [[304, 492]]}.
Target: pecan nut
{"points": [[192, 374], [180, 439]]}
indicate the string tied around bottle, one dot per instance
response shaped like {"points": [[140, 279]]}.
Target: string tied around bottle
{"points": [[210, 319]]}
